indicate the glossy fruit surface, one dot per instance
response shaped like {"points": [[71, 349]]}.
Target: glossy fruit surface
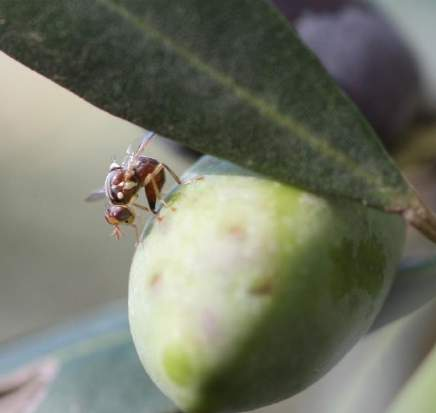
{"points": [[252, 290]]}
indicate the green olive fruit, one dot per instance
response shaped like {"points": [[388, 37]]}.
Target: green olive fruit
{"points": [[250, 290]]}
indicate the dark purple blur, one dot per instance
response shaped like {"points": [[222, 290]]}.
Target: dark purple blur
{"points": [[365, 54]]}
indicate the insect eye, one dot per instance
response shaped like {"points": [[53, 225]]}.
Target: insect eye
{"points": [[114, 166]]}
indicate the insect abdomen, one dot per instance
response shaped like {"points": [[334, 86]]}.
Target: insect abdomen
{"points": [[149, 170]]}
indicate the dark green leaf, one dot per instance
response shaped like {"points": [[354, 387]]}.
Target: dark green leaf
{"points": [[229, 78]]}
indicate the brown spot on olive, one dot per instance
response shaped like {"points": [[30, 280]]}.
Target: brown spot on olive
{"points": [[155, 280], [264, 286], [237, 232]]}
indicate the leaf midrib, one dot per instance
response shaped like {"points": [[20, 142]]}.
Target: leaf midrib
{"points": [[318, 143]]}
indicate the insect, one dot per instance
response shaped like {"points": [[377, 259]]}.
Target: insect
{"points": [[122, 185]]}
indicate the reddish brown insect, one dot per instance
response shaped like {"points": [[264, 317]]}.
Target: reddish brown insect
{"points": [[123, 183]]}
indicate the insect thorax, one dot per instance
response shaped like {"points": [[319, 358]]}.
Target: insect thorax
{"points": [[121, 186]]}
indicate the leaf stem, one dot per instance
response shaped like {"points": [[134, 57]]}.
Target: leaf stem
{"points": [[422, 218]]}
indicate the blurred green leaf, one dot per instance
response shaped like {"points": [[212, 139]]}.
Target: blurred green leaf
{"points": [[229, 78], [106, 378], [414, 286], [93, 367], [419, 395]]}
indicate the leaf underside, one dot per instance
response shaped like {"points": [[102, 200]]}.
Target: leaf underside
{"points": [[228, 78], [89, 366], [418, 395], [109, 379]]}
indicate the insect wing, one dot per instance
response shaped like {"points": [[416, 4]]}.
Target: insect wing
{"points": [[97, 195], [146, 139], [132, 155]]}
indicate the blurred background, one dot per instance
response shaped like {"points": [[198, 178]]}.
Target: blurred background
{"points": [[58, 260]]}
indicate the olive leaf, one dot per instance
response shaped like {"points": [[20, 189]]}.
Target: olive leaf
{"points": [[228, 78], [91, 366], [418, 394], [414, 286], [23, 390], [106, 378]]}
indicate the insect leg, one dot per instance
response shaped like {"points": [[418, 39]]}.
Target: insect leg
{"points": [[117, 232], [172, 173], [175, 176], [149, 187], [136, 233], [151, 175], [158, 193], [141, 207], [150, 180], [189, 181]]}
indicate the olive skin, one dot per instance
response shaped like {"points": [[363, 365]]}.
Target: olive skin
{"points": [[252, 290]]}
